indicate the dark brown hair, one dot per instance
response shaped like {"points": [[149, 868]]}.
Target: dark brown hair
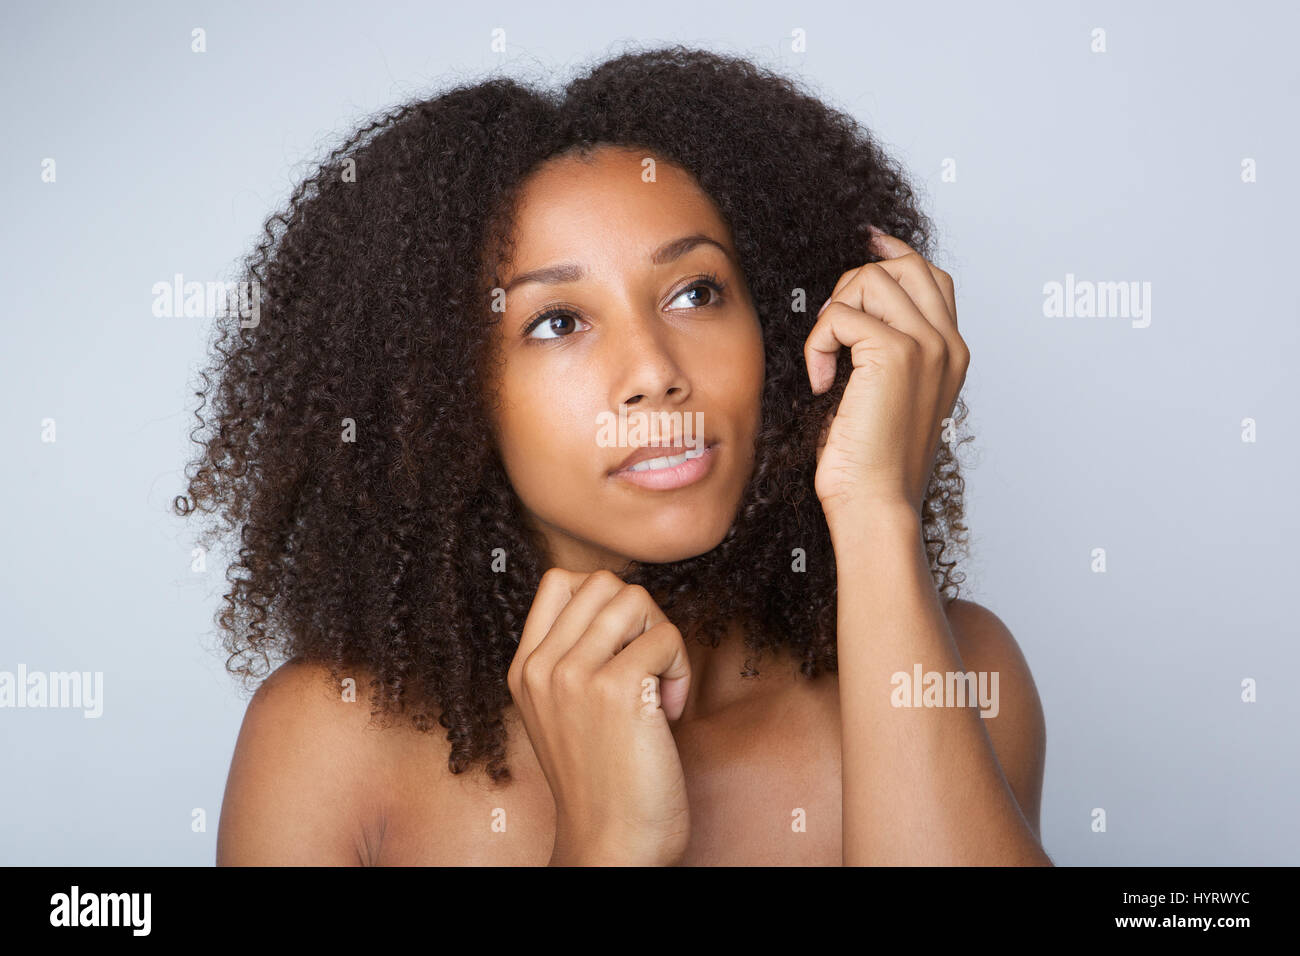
{"points": [[375, 287]]}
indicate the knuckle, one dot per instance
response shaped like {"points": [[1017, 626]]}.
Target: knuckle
{"points": [[907, 349], [531, 673], [938, 353], [566, 678], [606, 686], [664, 631], [605, 576], [553, 577], [961, 354]]}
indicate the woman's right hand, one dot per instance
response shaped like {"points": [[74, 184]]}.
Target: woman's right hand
{"points": [[595, 659]]}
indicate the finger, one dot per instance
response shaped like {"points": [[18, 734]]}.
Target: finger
{"points": [[840, 326], [885, 245], [623, 619], [881, 244], [585, 602], [876, 291], [916, 278], [553, 592], [891, 247], [928, 287], [659, 653], [844, 279], [914, 283]]}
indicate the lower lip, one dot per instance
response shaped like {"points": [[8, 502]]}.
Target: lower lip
{"points": [[666, 479]]}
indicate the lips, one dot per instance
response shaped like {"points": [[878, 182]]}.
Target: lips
{"points": [[647, 452]]}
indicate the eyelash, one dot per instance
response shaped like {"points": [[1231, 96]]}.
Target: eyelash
{"points": [[710, 280]]}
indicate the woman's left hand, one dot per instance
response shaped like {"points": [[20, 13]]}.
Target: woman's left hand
{"points": [[898, 317]]}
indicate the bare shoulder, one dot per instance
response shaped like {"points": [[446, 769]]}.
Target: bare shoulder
{"points": [[1018, 732], [305, 775]]}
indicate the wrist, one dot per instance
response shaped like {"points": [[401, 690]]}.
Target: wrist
{"points": [[850, 521]]}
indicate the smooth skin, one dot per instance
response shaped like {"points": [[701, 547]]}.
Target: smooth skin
{"points": [[641, 330], [628, 745], [946, 798]]}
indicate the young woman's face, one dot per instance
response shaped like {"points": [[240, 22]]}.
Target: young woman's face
{"points": [[633, 327]]}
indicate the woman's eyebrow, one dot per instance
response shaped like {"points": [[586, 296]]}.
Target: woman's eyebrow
{"points": [[571, 272]]}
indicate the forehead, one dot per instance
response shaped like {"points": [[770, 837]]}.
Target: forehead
{"points": [[617, 200]]}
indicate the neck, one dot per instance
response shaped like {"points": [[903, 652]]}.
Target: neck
{"points": [[716, 684]]}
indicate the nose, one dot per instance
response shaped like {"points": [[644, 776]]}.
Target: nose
{"points": [[649, 371]]}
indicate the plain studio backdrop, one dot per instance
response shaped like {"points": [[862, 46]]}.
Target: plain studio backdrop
{"points": [[1153, 145]]}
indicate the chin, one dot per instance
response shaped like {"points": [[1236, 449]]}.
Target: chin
{"points": [[667, 555], [666, 548]]}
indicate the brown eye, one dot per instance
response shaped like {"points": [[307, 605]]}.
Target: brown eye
{"points": [[555, 323], [707, 291]]}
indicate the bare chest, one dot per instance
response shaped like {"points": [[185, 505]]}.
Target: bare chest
{"points": [[764, 789]]}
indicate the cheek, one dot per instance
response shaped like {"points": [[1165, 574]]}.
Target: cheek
{"points": [[737, 368], [547, 442]]}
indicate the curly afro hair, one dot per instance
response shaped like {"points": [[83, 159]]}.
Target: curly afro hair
{"points": [[374, 554]]}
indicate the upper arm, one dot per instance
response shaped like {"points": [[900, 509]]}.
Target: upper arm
{"points": [[1018, 732], [293, 796]]}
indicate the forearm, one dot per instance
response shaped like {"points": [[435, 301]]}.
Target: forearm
{"points": [[921, 785]]}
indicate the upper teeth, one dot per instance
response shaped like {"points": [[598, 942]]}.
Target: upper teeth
{"points": [[652, 464]]}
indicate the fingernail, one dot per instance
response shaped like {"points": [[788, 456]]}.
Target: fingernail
{"points": [[823, 308]]}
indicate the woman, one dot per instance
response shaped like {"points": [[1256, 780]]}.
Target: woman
{"points": [[540, 440]]}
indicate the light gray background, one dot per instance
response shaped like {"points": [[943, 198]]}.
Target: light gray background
{"points": [[1115, 166]]}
